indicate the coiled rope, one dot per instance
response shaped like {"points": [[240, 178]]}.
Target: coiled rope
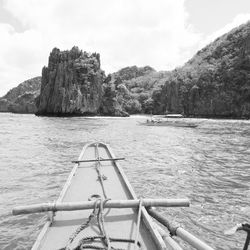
{"points": [[86, 242], [82, 227]]}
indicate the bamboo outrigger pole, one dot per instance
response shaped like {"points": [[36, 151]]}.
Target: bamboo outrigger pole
{"points": [[180, 232], [97, 160], [169, 241], [70, 206]]}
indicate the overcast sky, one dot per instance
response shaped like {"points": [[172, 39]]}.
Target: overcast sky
{"points": [[160, 33]]}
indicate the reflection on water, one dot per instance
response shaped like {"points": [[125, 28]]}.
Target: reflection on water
{"points": [[209, 165]]}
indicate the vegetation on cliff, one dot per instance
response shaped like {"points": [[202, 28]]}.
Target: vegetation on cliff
{"points": [[134, 87], [21, 99], [214, 83], [73, 84]]}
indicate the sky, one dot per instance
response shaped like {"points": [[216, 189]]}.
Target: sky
{"points": [[161, 33]]}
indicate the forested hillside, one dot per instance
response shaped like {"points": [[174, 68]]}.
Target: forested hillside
{"points": [[134, 87], [21, 99], [214, 83]]}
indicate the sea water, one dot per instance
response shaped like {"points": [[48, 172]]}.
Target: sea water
{"points": [[209, 164]]}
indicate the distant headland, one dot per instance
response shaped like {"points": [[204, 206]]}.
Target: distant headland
{"points": [[214, 83]]}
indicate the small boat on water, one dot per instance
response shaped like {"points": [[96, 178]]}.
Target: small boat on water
{"points": [[171, 123], [98, 180], [174, 116], [98, 209], [93, 178]]}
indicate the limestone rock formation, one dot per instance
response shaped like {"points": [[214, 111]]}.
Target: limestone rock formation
{"points": [[215, 82], [71, 84], [21, 99], [110, 105], [128, 73], [25, 104], [133, 86], [4, 104]]}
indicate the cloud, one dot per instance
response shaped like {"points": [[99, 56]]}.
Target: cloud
{"points": [[238, 20], [124, 32], [20, 56]]}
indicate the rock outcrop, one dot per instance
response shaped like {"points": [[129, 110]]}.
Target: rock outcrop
{"points": [[111, 106], [4, 104], [215, 82], [133, 87], [71, 84], [22, 98], [128, 73]]}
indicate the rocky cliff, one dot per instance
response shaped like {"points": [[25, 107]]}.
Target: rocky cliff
{"points": [[215, 82], [111, 105], [134, 86], [71, 84], [21, 99], [128, 73]]}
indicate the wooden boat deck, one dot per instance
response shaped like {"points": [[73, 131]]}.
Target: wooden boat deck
{"points": [[119, 223]]}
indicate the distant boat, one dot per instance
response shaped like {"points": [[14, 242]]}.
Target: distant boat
{"points": [[174, 116], [166, 123]]}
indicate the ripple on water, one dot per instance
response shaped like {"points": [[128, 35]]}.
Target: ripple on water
{"points": [[209, 165]]}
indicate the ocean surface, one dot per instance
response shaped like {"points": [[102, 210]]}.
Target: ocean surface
{"points": [[210, 165]]}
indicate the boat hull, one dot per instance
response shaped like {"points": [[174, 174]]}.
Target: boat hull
{"points": [[83, 183], [170, 124]]}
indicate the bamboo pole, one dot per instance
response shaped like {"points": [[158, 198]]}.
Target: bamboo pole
{"points": [[192, 240], [178, 231], [70, 206], [97, 160], [169, 241]]}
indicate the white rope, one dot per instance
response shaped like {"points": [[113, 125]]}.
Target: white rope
{"points": [[98, 170], [102, 223]]}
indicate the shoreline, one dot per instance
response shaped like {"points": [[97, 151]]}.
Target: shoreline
{"points": [[139, 116]]}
